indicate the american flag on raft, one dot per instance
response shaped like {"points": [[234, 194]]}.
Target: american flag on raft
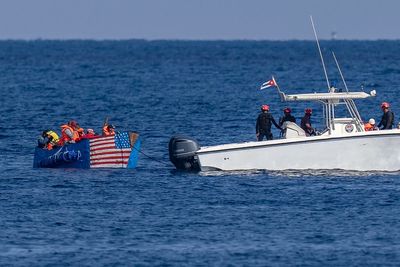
{"points": [[110, 151]]}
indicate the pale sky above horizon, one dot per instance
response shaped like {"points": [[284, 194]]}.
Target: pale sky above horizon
{"points": [[198, 19]]}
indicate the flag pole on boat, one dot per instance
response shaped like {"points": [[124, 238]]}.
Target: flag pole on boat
{"points": [[340, 71], [320, 53], [281, 94]]}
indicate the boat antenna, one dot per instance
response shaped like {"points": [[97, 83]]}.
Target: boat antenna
{"points": [[320, 53], [340, 71]]}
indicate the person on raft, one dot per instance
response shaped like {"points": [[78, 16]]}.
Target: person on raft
{"points": [[48, 139], [69, 132], [108, 129]]}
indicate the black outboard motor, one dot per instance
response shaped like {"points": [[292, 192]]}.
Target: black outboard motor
{"points": [[182, 153]]}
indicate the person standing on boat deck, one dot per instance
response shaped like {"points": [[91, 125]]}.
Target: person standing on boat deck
{"points": [[306, 123], [287, 116], [264, 123], [387, 117]]}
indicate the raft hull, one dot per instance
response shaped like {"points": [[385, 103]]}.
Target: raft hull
{"points": [[119, 151]]}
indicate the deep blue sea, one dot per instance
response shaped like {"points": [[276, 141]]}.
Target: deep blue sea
{"points": [[155, 215]]}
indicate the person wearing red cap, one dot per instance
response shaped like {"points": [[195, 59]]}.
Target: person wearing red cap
{"points": [[306, 122], [264, 123], [387, 119], [287, 116]]}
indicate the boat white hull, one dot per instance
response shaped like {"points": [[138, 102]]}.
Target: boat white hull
{"points": [[362, 151]]}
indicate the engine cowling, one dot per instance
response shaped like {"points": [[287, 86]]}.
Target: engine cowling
{"points": [[182, 153]]}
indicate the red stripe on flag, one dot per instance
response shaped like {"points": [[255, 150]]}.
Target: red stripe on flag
{"points": [[114, 151], [111, 157], [104, 148], [109, 162]]}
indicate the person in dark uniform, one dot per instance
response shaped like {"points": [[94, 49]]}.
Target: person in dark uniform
{"points": [[287, 116], [264, 123], [387, 117], [306, 123]]}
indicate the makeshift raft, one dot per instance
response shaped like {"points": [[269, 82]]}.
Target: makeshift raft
{"points": [[117, 151]]}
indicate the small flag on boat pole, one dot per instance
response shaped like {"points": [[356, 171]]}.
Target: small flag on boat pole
{"points": [[269, 83]]}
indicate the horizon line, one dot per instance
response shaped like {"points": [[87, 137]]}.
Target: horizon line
{"points": [[190, 40]]}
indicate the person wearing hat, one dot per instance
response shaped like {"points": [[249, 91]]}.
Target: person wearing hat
{"points": [[370, 126], [287, 116], [264, 123], [306, 122], [387, 119]]}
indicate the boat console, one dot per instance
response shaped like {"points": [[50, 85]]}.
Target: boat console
{"points": [[292, 130]]}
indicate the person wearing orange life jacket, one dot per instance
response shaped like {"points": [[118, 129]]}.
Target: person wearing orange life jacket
{"points": [[80, 130], [370, 126], [69, 133], [108, 129]]}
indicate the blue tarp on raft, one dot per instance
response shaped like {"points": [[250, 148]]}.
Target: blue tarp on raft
{"points": [[69, 156]]}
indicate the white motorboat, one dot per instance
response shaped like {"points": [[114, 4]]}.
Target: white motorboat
{"points": [[344, 144]]}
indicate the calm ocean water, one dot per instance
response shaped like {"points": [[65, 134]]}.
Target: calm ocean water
{"points": [[154, 215]]}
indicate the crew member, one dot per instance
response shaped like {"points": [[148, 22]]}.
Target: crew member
{"points": [[264, 123], [387, 117], [287, 116], [370, 126], [108, 129], [69, 132], [306, 122]]}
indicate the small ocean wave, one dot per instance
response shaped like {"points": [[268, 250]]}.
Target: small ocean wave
{"points": [[332, 173], [301, 173]]}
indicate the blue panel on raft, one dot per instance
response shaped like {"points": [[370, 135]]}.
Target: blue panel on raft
{"points": [[133, 158], [68, 156]]}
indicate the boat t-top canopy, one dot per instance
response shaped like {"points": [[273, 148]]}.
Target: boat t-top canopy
{"points": [[330, 100], [326, 96]]}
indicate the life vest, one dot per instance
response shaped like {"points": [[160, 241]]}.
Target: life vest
{"points": [[80, 132], [65, 137], [54, 139], [108, 131], [368, 127]]}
